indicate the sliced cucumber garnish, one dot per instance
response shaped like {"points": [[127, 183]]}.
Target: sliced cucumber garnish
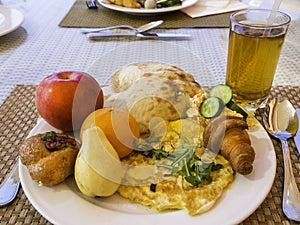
{"points": [[211, 107], [219, 97], [222, 91]]}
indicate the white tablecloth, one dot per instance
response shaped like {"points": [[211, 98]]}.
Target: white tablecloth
{"points": [[40, 47]]}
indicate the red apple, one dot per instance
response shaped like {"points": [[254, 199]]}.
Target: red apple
{"points": [[65, 99]]}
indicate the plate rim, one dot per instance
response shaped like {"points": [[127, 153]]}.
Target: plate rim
{"points": [[143, 11], [12, 27]]}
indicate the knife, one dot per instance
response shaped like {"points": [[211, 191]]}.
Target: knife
{"points": [[297, 136], [10, 186], [147, 35]]}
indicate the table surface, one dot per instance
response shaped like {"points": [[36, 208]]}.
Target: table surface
{"points": [[40, 47]]}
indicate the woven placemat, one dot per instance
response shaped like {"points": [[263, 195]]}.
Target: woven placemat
{"points": [[80, 16], [18, 116]]}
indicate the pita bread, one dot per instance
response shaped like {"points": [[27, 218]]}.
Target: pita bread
{"points": [[151, 90]]}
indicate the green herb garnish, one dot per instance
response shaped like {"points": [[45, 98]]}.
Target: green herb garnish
{"points": [[168, 3], [157, 153], [182, 161], [191, 168], [47, 135], [147, 149]]}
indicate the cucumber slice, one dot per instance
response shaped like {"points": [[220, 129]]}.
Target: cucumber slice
{"points": [[222, 91], [235, 107], [211, 107]]}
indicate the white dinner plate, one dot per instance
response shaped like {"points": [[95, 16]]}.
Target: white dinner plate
{"points": [[10, 20], [143, 11], [64, 204]]}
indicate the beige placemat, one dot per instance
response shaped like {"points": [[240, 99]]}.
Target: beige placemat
{"points": [[18, 116], [80, 16]]}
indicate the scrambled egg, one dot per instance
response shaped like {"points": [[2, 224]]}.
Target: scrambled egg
{"points": [[175, 192]]}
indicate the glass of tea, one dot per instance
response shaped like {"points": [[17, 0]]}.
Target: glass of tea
{"points": [[254, 48]]}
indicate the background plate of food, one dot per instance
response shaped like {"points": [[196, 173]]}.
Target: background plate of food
{"points": [[141, 10]]}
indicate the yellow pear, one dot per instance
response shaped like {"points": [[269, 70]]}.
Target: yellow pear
{"points": [[98, 169]]}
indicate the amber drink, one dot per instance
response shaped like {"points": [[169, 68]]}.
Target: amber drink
{"points": [[253, 53]]}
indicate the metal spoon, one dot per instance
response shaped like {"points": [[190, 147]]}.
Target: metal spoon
{"points": [[283, 124], [141, 29]]}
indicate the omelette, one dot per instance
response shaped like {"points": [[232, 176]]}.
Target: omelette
{"points": [[175, 192]]}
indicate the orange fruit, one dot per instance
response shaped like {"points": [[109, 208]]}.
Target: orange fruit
{"points": [[120, 128]]}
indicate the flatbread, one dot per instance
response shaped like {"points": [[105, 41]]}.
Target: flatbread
{"points": [[153, 90]]}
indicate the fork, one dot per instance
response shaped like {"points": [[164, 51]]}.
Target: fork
{"points": [[91, 4]]}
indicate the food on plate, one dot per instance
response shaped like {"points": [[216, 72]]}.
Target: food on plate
{"points": [[49, 157], [153, 90], [148, 4], [150, 140], [123, 78], [175, 192], [175, 133], [64, 99], [219, 97], [120, 128], [97, 167], [126, 3], [236, 145]]}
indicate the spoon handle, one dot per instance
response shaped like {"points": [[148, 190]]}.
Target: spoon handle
{"points": [[291, 195]]}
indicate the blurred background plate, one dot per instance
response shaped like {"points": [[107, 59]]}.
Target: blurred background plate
{"points": [[143, 11], [10, 20]]}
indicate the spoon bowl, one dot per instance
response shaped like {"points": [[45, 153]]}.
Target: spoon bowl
{"points": [[141, 29], [281, 122]]}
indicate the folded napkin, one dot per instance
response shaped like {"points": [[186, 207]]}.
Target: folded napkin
{"points": [[210, 7]]}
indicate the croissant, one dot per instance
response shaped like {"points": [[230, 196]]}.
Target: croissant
{"points": [[236, 145]]}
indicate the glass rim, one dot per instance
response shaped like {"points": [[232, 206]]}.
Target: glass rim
{"points": [[245, 11]]}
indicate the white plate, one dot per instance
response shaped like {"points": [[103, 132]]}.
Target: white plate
{"points": [[143, 11], [63, 204], [10, 20]]}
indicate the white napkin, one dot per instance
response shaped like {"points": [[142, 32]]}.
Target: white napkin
{"points": [[210, 7]]}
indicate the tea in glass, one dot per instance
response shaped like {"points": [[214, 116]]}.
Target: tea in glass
{"points": [[253, 53]]}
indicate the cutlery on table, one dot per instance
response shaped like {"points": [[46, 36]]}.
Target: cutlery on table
{"points": [[297, 136], [10, 186], [282, 123], [141, 29], [152, 35]]}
